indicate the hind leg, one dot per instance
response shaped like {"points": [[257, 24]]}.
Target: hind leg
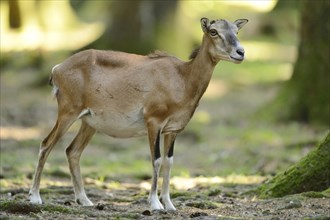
{"points": [[62, 125], [73, 153]]}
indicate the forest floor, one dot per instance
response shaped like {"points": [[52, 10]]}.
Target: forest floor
{"points": [[226, 151], [129, 201]]}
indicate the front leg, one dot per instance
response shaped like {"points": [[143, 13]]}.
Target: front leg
{"points": [[167, 165], [154, 142]]}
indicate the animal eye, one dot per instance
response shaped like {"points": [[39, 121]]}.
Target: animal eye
{"points": [[213, 32]]}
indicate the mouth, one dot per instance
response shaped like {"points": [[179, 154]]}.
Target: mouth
{"points": [[238, 60]]}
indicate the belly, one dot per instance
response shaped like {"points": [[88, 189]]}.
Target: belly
{"points": [[118, 125], [131, 124]]}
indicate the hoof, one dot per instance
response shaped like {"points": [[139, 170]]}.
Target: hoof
{"points": [[35, 198], [84, 202], [156, 205], [169, 206]]}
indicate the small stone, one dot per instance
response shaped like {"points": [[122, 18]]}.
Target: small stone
{"points": [[67, 203], [146, 213], [293, 204], [266, 212], [100, 206], [160, 212], [198, 214], [316, 206]]}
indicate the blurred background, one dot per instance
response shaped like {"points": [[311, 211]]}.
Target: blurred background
{"points": [[245, 124]]}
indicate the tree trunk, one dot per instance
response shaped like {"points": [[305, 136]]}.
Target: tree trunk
{"points": [[15, 20], [311, 173], [284, 4], [306, 97], [132, 25]]}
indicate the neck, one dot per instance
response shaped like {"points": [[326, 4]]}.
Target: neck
{"points": [[200, 70]]}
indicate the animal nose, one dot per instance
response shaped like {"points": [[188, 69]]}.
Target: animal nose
{"points": [[240, 52]]}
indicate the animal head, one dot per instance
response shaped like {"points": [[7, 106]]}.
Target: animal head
{"points": [[222, 35]]}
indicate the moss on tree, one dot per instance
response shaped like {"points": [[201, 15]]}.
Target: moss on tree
{"points": [[311, 173]]}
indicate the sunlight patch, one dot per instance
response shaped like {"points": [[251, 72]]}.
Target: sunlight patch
{"points": [[216, 89], [261, 6], [183, 183], [19, 133], [267, 51]]}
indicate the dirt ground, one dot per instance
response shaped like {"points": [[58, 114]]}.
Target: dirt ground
{"points": [[204, 201], [223, 153]]}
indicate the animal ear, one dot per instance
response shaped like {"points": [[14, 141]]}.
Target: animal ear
{"points": [[205, 23], [240, 23]]}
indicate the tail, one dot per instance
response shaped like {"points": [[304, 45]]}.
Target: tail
{"points": [[51, 81]]}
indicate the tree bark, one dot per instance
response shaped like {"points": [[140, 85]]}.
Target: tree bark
{"points": [[311, 173], [306, 96]]}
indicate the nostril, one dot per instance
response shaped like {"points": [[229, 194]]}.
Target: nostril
{"points": [[240, 52]]}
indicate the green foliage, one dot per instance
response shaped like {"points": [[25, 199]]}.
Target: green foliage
{"points": [[214, 191], [313, 194], [182, 193], [57, 172], [203, 205], [12, 206]]}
